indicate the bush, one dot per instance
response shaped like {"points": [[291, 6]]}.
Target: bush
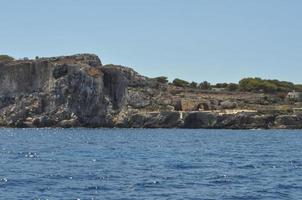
{"points": [[205, 85], [262, 85], [162, 79], [221, 85], [180, 83], [233, 87], [193, 85], [6, 58], [282, 86], [298, 88]]}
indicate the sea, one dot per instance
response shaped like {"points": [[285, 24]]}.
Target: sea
{"points": [[203, 164]]}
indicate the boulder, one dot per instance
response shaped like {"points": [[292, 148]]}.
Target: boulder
{"points": [[68, 123], [288, 122], [200, 120], [186, 104], [214, 104], [228, 104], [156, 120], [245, 121]]}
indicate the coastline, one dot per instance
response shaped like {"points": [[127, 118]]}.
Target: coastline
{"points": [[193, 120], [79, 91]]}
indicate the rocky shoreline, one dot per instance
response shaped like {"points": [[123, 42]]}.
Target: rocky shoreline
{"points": [[214, 121], [78, 91]]}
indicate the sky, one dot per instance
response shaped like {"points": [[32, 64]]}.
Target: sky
{"points": [[195, 40]]}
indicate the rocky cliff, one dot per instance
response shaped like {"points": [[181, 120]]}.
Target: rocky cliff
{"points": [[78, 91]]}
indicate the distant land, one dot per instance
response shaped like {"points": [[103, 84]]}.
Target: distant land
{"points": [[79, 91]]}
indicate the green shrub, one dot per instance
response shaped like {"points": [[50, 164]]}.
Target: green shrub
{"points": [[162, 79], [298, 88], [262, 85], [180, 83], [233, 87], [6, 58], [193, 85], [221, 85], [205, 85]]}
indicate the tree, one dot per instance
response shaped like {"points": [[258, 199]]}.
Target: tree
{"points": [[271, 86], [162, 79], [205, 85], [298, 87], [232, 87], [221, 85], [193, 85], [6, 58], [180, 83]]}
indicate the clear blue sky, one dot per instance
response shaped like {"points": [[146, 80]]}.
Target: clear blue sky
{"points": [[214, 40]]}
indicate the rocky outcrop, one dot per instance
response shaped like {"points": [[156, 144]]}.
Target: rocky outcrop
{"points": [[115, 83], [242, 121], [78, 91], [60, 91], [200, 120], [155, 120], [245, 121], [288, 122], [228, 104]]}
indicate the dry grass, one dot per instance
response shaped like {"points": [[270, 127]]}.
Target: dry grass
{"points": [[94, 72]]}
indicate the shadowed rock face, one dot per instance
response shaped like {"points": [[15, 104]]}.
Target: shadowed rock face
{"points": [[25, 77], [155, 120], [200, 120], [288, 121], [115, 83]]}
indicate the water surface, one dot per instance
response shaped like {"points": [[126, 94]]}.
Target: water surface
{"points": [[150, 164]]}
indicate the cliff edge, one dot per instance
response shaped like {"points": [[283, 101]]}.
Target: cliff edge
{"points": [[78, 91]]}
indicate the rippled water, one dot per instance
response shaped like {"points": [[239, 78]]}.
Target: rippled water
{"points": [[150, 164]]}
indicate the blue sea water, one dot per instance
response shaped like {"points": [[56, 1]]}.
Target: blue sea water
{"points": [[150, 164]]}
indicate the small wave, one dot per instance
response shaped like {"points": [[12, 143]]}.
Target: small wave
{"points": [[245, 197], [183, 166], [248, 166], [289, 186], [149, 184]]}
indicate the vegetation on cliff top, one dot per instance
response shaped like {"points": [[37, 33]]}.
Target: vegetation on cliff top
{"points": [[180, 83], [162, 79], [6, 58], [244, 85], [258, 84]]}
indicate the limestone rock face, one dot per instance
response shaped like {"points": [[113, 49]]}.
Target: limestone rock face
{"points": [[288, 121], [115, 83], [77, 90], [155, 120], [25, 77], [133, 78], [245, 121], [60, 91]]}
